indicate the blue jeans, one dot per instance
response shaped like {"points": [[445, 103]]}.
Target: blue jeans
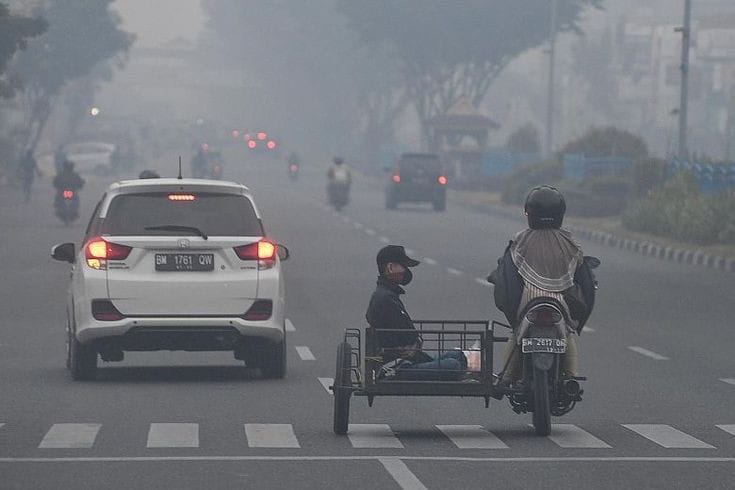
{"points": [[447, 367]]}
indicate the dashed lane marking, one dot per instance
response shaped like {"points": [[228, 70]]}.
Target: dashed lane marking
{"points": [[65, 436], [430, 261], [305, 353], [271, 435], [730, 381], [326, 383], [648, 353], [384, 239], [289, 326], [667, 436], [588, 329], [401, 474], [471, 437], [372, 436], [729, 428], [571, 436], [454, 271], [173, 435]]}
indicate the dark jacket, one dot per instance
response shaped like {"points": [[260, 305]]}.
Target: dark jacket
{"points": [[580, 298], [386, 311], [68, 179]]}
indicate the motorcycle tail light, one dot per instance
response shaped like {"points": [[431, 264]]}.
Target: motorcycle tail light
{"points": [[103, 310], [442, 180], [294, 168], [396, 178], [68, 194], [98, 251], [544, 315], [261, 310]]}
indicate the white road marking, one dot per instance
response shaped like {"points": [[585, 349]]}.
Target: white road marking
{"points": [[401, 474], [430, 261], [729, 428], [372, 436], [482, 281], [454, 271], [326, 383], [357, 225], [648, 353], [70, 436], [667, 436], [305, 353], [471, 437], [173, 435], [370, 231], [384, 239], [289, 326], [730, 381], [271, 435], [571, 436]]}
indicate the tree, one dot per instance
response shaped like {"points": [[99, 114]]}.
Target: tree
{"points": [[524, 140], [452, 50], [609, 141], [83, 36], [14, 33]]}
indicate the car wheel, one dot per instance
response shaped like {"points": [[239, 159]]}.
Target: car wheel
{"points": [[82, 360], [273, 361]]}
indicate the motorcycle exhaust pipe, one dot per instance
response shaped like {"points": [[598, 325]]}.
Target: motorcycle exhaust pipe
{"points": [[571, 387]]}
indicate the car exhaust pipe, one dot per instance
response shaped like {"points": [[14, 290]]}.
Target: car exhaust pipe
{"points": [[571, 387]]}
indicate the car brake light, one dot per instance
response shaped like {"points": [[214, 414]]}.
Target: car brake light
{"points": [[261, 310], [99, 251], [103, 310], [442, 180], [263, 250], [181, 197], [396, 178], [68, 194]]}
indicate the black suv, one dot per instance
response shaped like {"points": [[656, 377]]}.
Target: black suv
{"points": [[417, 177]]}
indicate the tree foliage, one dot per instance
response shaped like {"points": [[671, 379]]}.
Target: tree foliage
{"points": [[83, 38], [15, 31], [608, 141], [524, 140], [452, 50]]}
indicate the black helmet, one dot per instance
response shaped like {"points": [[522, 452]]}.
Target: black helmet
{"points": [[545, 207]]}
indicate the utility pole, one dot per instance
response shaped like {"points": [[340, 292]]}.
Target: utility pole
{"points": [[683, 152], [550, 96]]}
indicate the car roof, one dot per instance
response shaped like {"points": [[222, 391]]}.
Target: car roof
{"points": [[171, 185]]}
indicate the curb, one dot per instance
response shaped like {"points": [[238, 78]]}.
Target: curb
{"points": [[694, 257]]}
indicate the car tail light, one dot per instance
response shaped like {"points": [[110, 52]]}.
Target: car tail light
{"points": [[263, 251], [104, 311], [544, 315], [68, 194], [442, 180], [396, 178], [261, 310], [182, 197], [98, 251]]}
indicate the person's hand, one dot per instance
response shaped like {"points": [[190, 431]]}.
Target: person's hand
{"points": [[406, 351]]}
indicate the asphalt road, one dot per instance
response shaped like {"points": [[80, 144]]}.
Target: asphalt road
{"points": [[658, 410]]}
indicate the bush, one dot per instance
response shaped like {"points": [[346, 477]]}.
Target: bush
{"points": [[523, 179], [524, 140], [647, 174], [678, 209], [606, 142], [600, 196]]}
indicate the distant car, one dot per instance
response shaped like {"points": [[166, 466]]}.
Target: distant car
{"points": [[417, 177], [175, 264], [90, 157]]}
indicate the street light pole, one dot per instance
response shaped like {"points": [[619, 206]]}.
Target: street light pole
{"points": [[683, 152], [550, 96]]}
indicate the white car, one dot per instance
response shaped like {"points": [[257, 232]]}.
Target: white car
{"points": [[90, 157], [175, 264]]}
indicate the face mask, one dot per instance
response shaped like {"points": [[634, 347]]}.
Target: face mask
{"points": [[403, 277]]}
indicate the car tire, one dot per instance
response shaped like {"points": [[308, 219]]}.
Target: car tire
{"points": [[81, 360], [273, 361]]}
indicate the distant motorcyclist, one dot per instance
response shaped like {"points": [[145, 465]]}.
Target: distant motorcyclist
{"points": [[27, 171], [199, 162], [68, 178], [293, 165], [339, 173], [67, 184], [544, 261]]}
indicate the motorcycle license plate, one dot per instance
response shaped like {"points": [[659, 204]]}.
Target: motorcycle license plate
{"points": [[184, 262], [553, 346]]}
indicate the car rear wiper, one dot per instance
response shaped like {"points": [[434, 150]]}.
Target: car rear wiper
{"points": [[192, 229]]}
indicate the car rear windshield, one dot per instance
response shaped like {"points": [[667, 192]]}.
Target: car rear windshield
{"points": [[213, 214], [419, 164]]}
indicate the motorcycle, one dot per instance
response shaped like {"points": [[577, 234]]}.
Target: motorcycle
{"points": [[66, 205], [293, 171], [339, 194]]}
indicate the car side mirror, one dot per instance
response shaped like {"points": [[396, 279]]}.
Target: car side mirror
{"points": [[283, 252], [64, 252], [592, 262]]}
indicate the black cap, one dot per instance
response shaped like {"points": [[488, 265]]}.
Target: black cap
{"points": [[394, 253]]}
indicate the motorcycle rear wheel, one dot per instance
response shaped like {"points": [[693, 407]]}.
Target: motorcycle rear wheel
{"points": [[541, 405]]}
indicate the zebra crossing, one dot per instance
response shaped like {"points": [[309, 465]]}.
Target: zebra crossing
{"points": [[367, 436]]}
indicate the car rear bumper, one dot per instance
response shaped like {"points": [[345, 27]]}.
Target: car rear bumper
{"points": [[179, 333], [416, 192]]}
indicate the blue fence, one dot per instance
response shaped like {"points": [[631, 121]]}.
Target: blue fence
{"points": [[711, 178], [497, 162], [578, 166]]}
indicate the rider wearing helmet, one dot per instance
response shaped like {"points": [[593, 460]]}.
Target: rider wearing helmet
{"points": [[339, 173], [543, 261], [68, 178]]}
